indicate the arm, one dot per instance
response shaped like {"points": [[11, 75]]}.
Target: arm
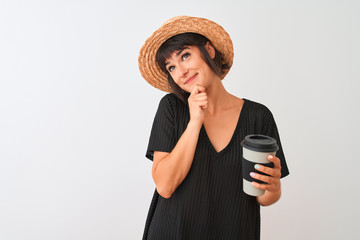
{"points": [[170, 169]]}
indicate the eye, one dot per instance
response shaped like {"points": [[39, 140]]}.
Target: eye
{"points": [[185, 56], [171, 68]]}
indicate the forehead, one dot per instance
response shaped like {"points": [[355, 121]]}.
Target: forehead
{"points": [[177, 53]]}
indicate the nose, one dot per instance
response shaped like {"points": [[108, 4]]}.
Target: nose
{"points": [[183, 70]]}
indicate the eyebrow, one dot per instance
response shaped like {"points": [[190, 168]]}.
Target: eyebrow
{"points": [[178, 53]]}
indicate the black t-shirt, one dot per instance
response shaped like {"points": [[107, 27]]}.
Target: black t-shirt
{"points": [[210, 202]]}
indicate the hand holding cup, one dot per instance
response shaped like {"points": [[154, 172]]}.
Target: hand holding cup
{"points": [[272, 177]]}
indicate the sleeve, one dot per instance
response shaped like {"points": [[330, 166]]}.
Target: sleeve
{"points": [[270, 129], [162, 136]]}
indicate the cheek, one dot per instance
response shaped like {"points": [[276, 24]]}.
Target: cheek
{"points": [[173, 76]]}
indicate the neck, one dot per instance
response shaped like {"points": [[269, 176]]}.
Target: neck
{"points": [[217, 96]]}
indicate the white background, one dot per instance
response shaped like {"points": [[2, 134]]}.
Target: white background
{"points": [[75, 114]]}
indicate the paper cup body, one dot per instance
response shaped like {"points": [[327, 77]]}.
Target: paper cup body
{"points": [[256, 149], [256, 157]]}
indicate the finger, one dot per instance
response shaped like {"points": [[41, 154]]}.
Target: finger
{"points": [[202, 104], [201, 88], [201, 94], [195, 102], [260, 186], [274, 172], [198, 101], [266, 179], [199, 98], [195, 90], [198, 89], [268, 187], [275, 160]]}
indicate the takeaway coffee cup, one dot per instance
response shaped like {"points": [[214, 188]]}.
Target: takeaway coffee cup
{"points": [[256, 149]]}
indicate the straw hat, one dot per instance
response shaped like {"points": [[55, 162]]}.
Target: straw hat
{"points": [[151, 71]]}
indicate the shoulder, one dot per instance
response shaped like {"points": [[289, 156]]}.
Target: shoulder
{"points": [[167, 101], [257, 108], [170, 105], [171, 101], [260, 115]]}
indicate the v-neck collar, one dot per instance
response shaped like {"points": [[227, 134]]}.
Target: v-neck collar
{"points": [[243, 108]]}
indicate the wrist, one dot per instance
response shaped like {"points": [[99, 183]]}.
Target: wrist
{"points": [[195, 125], [269, 197]]}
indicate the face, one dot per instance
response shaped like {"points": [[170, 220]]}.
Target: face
{"points": [[188, 68]]}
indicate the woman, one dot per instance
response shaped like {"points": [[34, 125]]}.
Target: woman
{"points": [[196, 135]]}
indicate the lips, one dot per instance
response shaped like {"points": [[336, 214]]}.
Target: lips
{"points": [[190, 79]]}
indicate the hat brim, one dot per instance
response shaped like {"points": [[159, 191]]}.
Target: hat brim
{"points": [[148, 66]]}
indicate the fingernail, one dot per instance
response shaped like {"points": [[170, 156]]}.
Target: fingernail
{"points": [[257, 166], [271, 156], [252, 174]]}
